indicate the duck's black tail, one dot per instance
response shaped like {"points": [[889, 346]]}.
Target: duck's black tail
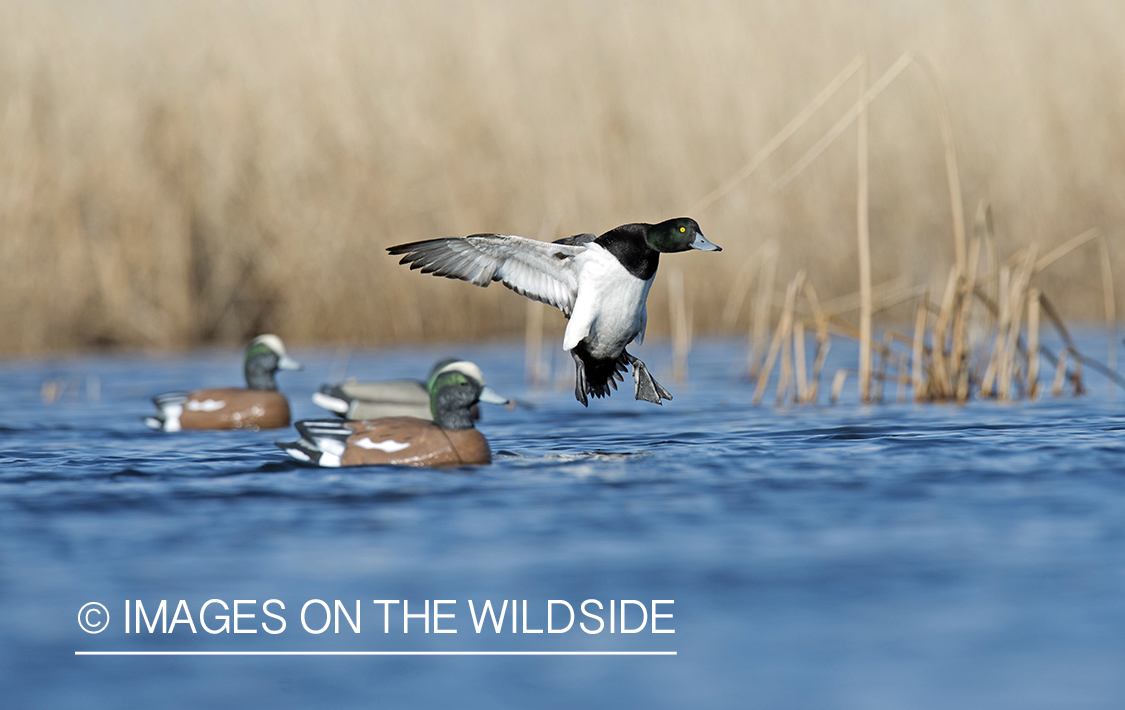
{"points": [[594, 376]]}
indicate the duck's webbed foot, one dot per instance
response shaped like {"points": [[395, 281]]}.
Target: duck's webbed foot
{"points": [[580, 385], [644, 386]]}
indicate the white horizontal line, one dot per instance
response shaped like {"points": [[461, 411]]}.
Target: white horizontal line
{"points": [[374, 653]]}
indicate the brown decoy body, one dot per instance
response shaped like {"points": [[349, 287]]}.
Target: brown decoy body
{"points": [[449, 440]]}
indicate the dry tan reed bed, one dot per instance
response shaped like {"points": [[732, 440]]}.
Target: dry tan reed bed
{"points": [[982, 337], [181, 173], [953, 364], [966, 351]]}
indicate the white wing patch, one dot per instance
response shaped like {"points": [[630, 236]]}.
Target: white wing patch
{"points": [[390, 445], [542, 271], [207, 405]]}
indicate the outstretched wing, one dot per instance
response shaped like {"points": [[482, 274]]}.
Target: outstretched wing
{"points": [[542, 271]]}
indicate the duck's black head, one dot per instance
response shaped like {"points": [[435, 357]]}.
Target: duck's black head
{"points": [[265, 356], [454, 392], [679, 234]]}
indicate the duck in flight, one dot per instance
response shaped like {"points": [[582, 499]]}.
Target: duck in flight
{"points": [[599, 282]]}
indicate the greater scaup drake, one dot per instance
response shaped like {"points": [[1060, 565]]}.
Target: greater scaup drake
{"points": [[260, 406], [599, 283], [449, 440]]}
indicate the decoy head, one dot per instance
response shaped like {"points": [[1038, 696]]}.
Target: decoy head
{"points": [[264, 356], [454, 390], [679, 234]]}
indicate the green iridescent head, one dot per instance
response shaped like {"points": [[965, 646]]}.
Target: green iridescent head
{"points": [[679, 234]]}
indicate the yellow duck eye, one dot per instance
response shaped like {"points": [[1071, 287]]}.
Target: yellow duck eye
{"points": [[682, 229]]}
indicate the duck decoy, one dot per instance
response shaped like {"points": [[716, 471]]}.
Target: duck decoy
{"points": [[449, 440], [390, 398], [258, 406]]}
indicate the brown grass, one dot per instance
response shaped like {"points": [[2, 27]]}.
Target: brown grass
{"points": [[176, 173]]}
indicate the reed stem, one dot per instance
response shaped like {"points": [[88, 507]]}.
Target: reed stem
{"points": [[1033, 343], [763, 301], [799, 365], [779, 336], [917, 366], [864, 238], [681, 325]]}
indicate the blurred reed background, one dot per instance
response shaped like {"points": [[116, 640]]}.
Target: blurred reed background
{"points": [[177, 173]]}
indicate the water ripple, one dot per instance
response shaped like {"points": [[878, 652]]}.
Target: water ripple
{"points": [[801, 545]]}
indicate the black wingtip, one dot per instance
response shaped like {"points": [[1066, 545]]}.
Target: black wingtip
{"points": [[410, 246], [401, 248]]}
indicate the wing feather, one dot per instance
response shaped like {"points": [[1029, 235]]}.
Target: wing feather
{"points": [[577, 240], [542, 271]]}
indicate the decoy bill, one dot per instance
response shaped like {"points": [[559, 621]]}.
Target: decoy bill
{"points": [[600, 283]]}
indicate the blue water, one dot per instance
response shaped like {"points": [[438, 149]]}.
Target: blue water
{"points": [[893, 556]]}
